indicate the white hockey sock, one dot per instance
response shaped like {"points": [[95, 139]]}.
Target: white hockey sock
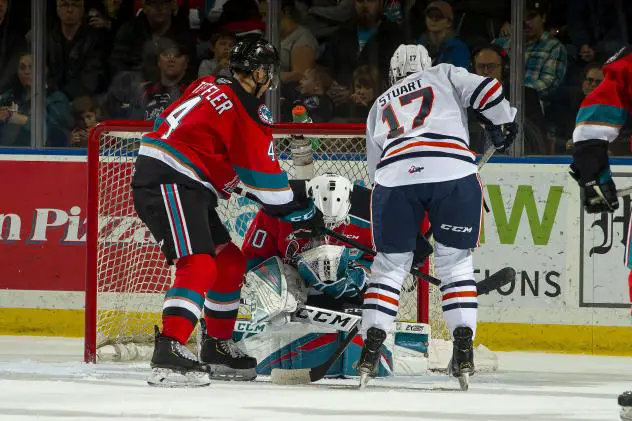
{"points": [[455, 268], [381, 300]]}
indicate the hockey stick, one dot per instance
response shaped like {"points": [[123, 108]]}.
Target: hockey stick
{"points": [[309, 375], [489, 152]]}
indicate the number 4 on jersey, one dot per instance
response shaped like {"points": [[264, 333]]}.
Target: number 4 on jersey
{"points": [[390, 118], [176, 116], [271, 153]]}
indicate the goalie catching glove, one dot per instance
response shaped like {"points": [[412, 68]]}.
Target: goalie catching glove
{"points": [[591, 170], [330, 270]]}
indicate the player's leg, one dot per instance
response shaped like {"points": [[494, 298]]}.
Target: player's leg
{"points": [[455, 213], [396, 214], [224, 358], [176, 217]]}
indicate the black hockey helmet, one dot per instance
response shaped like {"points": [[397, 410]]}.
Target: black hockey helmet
{"points": [[253, 52]]}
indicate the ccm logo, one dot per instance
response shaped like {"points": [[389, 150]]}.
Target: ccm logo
{"points": [[455, 228], [412, 328]]}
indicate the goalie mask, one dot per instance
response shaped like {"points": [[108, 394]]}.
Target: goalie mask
{"points": [[331, 194], [408, 59]]}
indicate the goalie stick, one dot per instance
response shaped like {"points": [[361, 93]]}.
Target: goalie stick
{"points": [[310, 375], [494, 281]]}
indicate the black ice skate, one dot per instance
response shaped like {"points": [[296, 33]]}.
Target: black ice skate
{"points": [[625, 402], [370, 356], [174, 365], [462, 362], [225, 361]]}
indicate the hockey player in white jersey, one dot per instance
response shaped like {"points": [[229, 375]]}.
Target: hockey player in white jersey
{"points": [[419, 160]]}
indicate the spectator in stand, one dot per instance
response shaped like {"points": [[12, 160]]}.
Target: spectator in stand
{"points": [[365, 80], [132, 98], [137, 42], [11, 41], [440, 39], [172, 62], [109, 15], [478, 22], [85, 116], [596, 28], [492, 61], [593, 76], [368, 39], [310, 92], [221, 43], [324, 17], [545, 56], [298, 45], [76, 52], [15, 110], [241, 17]]}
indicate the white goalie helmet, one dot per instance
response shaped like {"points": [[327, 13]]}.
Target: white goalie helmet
{"points": [[331, 194], [408, 59]]}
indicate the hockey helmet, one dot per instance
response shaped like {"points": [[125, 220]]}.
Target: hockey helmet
{"points": [[331, 194], [253, 52], [408, 59]]}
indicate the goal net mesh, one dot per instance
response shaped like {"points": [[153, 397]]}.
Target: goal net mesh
{"points": [[131, 274]]}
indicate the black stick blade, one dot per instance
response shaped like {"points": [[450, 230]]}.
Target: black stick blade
{"points": [[497, 280]]}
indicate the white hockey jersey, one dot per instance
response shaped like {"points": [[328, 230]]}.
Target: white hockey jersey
{"points": [[416, 131]]}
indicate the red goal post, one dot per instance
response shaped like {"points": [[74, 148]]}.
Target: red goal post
{"points": [[126, 276]]}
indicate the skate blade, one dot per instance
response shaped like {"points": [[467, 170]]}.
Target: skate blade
{"points": [[626, 413], [166, 377], [464, 381], [221, 372], [364, 380]]}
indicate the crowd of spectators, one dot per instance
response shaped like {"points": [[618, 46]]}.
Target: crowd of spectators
{"points": [[130, 59]]}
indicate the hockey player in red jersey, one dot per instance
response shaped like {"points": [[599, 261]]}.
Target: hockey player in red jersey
{"points": [[602, 115], [217, 134]]}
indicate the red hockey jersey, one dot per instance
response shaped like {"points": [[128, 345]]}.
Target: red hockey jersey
{"points": [[217, 134], [268, 236], [609, 107]]}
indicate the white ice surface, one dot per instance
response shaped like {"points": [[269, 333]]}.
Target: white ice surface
{"points": [[43, 379]]}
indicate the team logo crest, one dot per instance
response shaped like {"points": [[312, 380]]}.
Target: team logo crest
{"points": [[265, 114]]}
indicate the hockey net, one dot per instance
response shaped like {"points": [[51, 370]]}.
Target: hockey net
{"points": [[126, 274]]}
